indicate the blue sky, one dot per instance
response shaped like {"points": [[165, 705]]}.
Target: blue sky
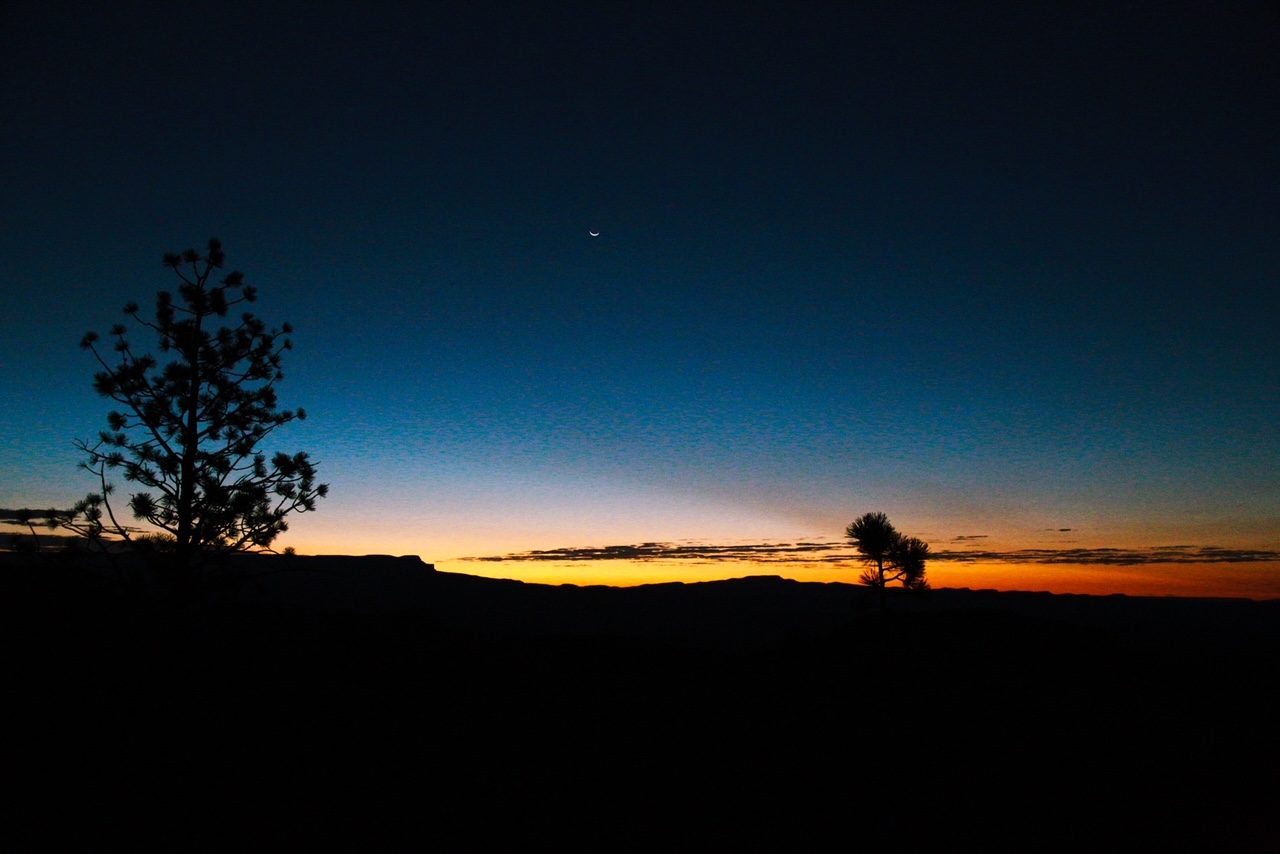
{"points": [[990, 269]]}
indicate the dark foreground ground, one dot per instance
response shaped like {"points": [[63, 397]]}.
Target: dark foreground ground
{"points": [[373, 702]]}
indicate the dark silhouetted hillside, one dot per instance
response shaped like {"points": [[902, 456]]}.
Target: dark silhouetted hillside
{"points": [[375, 701]]}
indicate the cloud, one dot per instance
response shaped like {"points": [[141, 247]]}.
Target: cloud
{"points": [[1118, 557], [810, 552], [37, 516], [747, 552]]}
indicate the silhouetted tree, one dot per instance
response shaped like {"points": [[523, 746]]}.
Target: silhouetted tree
{"points": [[188, 432], [889, 555]]}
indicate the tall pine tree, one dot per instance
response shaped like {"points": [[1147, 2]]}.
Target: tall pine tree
{"points": [[188, 432]]}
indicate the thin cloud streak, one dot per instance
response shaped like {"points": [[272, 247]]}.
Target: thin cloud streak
{"points": [[834, 552]]}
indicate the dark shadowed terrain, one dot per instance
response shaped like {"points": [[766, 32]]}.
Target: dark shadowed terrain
{"points": [[375, 702]]}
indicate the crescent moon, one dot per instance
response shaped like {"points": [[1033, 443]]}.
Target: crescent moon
{"points": [[593, 233]]}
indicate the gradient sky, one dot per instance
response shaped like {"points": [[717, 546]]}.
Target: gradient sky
{"points": [[1006, 272]]}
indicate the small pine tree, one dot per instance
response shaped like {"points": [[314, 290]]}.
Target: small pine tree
{"points": [[888, 555], [188, 432]]}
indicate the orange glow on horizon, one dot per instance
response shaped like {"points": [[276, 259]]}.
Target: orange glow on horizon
{"points": [[1257, 579], [1249, 580], [1103, 576]]}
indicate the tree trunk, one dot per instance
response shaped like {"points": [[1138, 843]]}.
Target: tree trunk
{"points": [[881, 585], [190, 439]]}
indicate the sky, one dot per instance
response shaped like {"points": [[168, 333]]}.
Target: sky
{"points": [[1006, 272]]}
